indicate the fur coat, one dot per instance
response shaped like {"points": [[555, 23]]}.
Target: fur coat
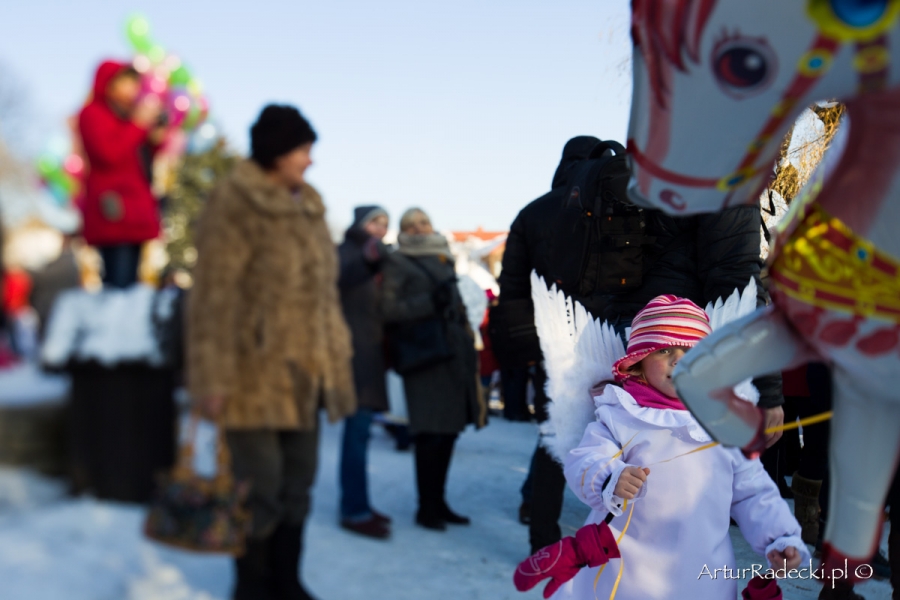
{"points": [[264, 326]]}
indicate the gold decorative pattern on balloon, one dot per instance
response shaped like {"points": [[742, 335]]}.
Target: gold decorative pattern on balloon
{"points": [[837, 26], [825, 264]]}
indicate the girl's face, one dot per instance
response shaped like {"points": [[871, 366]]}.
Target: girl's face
{"points": [[123, 92], [657, 367]]}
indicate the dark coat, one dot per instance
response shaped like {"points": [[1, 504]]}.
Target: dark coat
{"points": [[360, 302], [442, 398], [701, 257]]}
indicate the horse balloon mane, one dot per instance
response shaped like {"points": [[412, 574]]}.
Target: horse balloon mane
{"points": [[717, 84]]}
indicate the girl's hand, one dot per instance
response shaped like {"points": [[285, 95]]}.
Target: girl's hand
{"points": [[147, 112], [789, 559], [631, 481]]}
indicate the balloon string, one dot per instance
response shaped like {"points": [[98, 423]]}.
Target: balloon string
{"points": [[621, 559], [700, 449], [825, 416]]}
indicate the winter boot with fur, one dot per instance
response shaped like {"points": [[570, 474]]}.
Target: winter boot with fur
{"points": [[253, 573], [286, 547], [806, 506]]}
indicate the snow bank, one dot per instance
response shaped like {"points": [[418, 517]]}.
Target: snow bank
{"points": [[24, 384], [21, 489]]}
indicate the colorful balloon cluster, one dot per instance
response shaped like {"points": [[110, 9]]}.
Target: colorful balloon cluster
{"points": [[167, 77], [62, 166]]}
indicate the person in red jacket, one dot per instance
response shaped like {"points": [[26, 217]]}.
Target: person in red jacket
{"points": [[120, 132]]}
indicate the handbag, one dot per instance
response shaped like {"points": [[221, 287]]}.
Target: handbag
{"points": [[421, 343], [196, 513]]}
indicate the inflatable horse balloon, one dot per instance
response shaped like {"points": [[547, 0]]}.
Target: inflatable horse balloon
{"points": [[717, 84]]}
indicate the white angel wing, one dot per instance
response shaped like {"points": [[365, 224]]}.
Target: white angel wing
{"points": [[579, 352], [736, 306]]}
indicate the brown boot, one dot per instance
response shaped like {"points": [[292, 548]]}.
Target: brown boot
{"points": [[806, 506]]}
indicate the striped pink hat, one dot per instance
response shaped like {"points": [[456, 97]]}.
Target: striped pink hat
{"points": [[666, 321]]}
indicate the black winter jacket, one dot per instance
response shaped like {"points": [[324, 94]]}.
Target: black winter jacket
{"points": [[360, 304], [702, 257]]}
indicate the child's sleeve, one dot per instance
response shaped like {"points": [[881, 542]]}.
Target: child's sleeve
{"points": [[593, 468], [764, 517]]}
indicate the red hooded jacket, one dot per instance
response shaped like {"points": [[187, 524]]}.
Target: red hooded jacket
{"points": [[118, 205]]}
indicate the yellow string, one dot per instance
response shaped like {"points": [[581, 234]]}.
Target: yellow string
{"points": [[621, 561], [700, 449], [825, 416]]}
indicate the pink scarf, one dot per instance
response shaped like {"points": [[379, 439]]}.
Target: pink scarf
{"points": [[650, 397]]}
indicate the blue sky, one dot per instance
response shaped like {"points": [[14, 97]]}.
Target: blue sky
{"points": [[460, 107]]}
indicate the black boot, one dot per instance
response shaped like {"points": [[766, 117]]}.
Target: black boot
{"points": [[253, 573], [428, 482], [286, 547], [445, 454], [894, 552]]}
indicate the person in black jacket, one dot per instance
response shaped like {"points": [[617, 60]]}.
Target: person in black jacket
{"points": [[702, 258], [361, 257]]}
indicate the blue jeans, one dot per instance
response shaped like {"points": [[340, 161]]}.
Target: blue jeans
{"points": [[354, 479], [120, 264]]}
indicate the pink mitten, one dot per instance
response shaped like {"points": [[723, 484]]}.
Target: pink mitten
{"points": [[592, 546], [761, 589]]}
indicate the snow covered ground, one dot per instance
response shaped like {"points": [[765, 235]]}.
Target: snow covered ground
{"points": [[55, 548]]}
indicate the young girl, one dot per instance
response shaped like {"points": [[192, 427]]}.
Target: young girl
{"points": [[677, 543]]}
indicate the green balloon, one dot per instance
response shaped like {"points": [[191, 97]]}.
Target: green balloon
{"points": [[46, 166], [180, 77], [193, 118], [156, 54], [138, 31]]}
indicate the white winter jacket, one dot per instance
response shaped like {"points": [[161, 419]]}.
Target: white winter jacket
{"points": [[678, 534]]}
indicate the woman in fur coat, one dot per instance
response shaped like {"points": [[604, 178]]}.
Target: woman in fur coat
{"points": [[420, 282], [267, 344]]}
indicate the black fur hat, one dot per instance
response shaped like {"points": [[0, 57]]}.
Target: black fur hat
{"points": [[278, 130]]}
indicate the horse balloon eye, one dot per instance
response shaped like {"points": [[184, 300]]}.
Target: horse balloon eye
{"points": [[743, 67]]}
